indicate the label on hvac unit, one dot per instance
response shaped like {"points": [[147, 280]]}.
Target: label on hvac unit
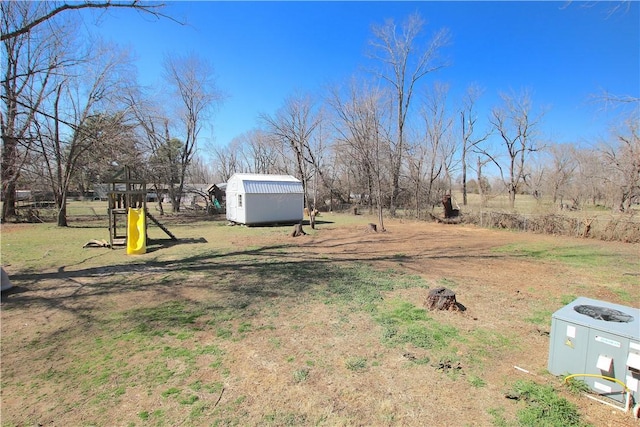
{"points": [[571, 331], [632, 383], [607, 341], [602, 387], [634, 346]]}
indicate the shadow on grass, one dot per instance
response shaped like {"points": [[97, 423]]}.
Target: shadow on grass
{"points": [[244, 271], [318, 222], [157, 244], [13, 290], [234, 279], [95, 225], [305, 223], [229, 280]]}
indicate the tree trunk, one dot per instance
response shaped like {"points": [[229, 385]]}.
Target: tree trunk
{"points": [[512, 196], [464, 182], [9, 177], [9, 200], [463, 161], [442, 299], [312, 219], [61, 202], [393, 200], [480, 189]]}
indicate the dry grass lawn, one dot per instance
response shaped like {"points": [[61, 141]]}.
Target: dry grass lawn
{"points": [[248, 326]]}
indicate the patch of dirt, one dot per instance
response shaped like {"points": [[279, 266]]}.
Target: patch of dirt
{"points": [[12, 228], [290, 334]]}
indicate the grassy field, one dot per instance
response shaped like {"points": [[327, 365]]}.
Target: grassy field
{"points": [[247, 326]]}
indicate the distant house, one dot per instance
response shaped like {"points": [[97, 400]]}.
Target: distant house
{"points": [[264, 199], [194, 195]]}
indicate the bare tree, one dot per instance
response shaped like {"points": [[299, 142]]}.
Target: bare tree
{"points": [[191, 81], [152, 125], [470, 139], [428, 159], [200, 171], [613, 100], [360, 127], [605, 173], [335, 178], [437, 140], [483, 182], [255, 151], [613, 7], [536, 177], [32, 38], [404, 64], [622, 159], [30, 61], [227, 161], [418, 160], [588, 183], [517, 128], [68, 132], [261, 152], [561, 170], [294, 125], [53, 8]]}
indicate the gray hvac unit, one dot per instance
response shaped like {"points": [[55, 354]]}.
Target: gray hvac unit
{"points": [[599, 339]]}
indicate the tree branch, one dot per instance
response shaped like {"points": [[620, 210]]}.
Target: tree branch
{"points": [[133, 4]]}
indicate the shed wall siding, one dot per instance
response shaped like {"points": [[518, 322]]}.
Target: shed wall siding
{"points": [[265, 199], [270, 208]]}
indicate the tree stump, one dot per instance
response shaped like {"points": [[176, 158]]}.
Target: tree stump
{"points": [[298, 231], [442, 299], [449, 212], [587, 226], [371, 227]]}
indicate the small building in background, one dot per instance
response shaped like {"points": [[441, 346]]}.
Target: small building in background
{"points": [[254, 199], [217, 195]]}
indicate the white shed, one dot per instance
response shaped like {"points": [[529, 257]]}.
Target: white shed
{"points": [[264, 199]]}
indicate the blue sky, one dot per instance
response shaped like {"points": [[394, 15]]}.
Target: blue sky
{"points": [[263, 52]]}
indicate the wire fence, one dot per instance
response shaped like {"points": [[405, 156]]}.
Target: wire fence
{"points": [[614, 228]]}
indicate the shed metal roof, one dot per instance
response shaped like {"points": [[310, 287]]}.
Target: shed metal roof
{"points": [[272, 187], [263, 177], [269, 184]]}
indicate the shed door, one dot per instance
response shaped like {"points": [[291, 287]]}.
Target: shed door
{"points": [[231, 207]]}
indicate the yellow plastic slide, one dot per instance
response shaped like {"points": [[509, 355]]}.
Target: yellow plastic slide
{"points": [[136, 232]]}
